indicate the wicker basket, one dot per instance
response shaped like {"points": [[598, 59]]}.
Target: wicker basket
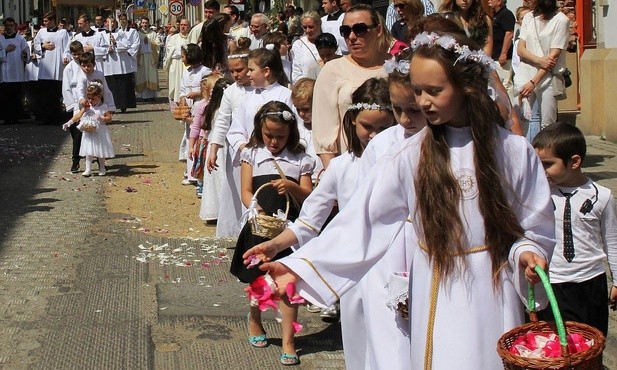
{"points": [[268, 226], [181, 110], [590, 359], [88, 127]]}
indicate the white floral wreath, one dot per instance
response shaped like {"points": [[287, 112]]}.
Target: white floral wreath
{"points": [[402, 66], [286, 115], [237, 56], [448, 42], [96, 83], [367, 106]]}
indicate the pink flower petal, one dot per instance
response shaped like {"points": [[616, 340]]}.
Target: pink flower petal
{"points": [[297, 327], [253, 261], [294, 298]]}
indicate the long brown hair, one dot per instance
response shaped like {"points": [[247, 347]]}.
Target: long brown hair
{"points": [[437, 190], [476, 17]]}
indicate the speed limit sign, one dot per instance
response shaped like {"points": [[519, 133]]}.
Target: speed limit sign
{"points": [[176, 8]]}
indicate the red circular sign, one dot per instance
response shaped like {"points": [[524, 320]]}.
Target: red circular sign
{"points": [[176, 8]]}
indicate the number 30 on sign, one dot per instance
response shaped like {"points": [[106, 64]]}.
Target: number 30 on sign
{"points": [[176, 8]]}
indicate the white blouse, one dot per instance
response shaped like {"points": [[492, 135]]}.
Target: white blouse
{"points": [[303, 53], [242, 120]]}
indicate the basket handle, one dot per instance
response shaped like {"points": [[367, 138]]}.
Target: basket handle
{"points": [[270, 184], [561, 328]]}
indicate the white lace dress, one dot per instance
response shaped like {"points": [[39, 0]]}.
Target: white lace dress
{"points": [[96, 143]]}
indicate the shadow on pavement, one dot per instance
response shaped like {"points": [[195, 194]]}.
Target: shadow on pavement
{"points": [[26, 154], [126, 170], [596, 160], [602, 175], [141, 111], [129, 122]]}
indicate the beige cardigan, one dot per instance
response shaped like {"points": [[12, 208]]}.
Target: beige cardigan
{"points": [[338, 79]]}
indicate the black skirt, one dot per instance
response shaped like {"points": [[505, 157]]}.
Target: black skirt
{"points": [[270, 201]]}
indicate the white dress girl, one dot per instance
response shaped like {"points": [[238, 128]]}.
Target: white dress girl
{"points": [[96, 143]]}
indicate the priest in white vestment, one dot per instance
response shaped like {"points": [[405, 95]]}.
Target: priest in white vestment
{"points": [[147, 79]]}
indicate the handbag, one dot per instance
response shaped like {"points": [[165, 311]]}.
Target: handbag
{"points": [[566, 77]]}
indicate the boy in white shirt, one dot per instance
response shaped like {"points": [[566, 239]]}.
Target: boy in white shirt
{"points": [[70, 78], [585, 229]]}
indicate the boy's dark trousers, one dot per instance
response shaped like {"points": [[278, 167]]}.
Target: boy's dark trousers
{"points": [[76, 135], [585, 302]]}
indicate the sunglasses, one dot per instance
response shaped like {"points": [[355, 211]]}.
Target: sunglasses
{"points": [[359, 29], [400, 6]]}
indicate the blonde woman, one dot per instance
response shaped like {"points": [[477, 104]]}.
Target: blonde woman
{"points": [[303, 51], [363, 33]]}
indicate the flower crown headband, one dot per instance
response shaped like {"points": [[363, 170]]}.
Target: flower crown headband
{"points": [[286, 115], [96, 83], [448, 42], [367, 106], [238, 56], [402, 66]]}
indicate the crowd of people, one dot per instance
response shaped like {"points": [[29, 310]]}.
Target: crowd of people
{"points": [[415, 160]]}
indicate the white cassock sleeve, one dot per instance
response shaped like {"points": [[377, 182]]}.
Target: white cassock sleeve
{"points": [[316, 208], [101, 49], [357, 238], [534, 209], [223, 120], [238, 133]]}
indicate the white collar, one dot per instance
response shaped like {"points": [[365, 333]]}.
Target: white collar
{"points": [[263, 155]]}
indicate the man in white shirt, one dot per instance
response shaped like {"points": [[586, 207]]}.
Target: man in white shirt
{"points": [[93, 41], [12, 72], [259, 28], [333, 20], [238, 28], [51, 46], [121, 62], [99, 23], [211, 8]]}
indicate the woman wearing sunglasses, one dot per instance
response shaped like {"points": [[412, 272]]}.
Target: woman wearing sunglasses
{"points": [[364, 35]]}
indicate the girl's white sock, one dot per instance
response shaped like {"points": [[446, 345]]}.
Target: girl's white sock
{"points": [[88, 163]]}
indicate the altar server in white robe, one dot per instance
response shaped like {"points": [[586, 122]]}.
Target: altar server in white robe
{"points": [[147, 78], [219, 158], [121, 62], [93, 41], [173, 58], [13, 73], [333, 19], [480, 207], [51, 46], [269, 80]]}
